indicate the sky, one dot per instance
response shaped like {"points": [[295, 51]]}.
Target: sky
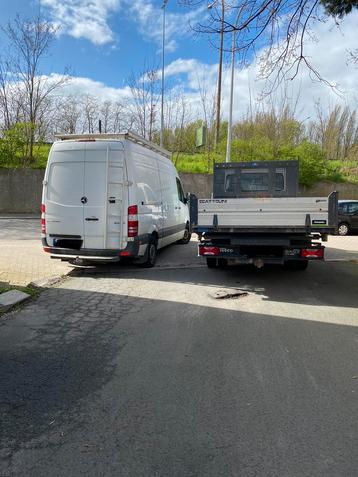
{"points": [[102, 42]]}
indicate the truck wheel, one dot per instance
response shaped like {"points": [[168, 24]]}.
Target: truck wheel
{"points": [[186, 237], [222, 263], [151, 254], [211, 262], [343, 229], [296, 265]]}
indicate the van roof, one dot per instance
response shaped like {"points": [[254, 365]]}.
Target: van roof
{"points": [[129, 135]]}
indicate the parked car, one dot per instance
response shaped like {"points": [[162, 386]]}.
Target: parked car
{"points": [[347, 216], [106, 197]]}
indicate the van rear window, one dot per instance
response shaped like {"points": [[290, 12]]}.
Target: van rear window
{"points": [[65, 183]]}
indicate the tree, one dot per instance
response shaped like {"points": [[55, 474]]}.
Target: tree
{"points": [[279, 25], [30, 41], [144, 101], [339, 8]]}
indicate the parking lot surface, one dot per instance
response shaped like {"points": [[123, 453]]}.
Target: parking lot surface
{"points": [[120, 371], [22, 259]]}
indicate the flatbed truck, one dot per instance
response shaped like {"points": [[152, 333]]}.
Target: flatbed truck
{"points": [[255, 216]]}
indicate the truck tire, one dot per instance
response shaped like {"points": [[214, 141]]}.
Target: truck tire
{"points": [[343, 229], [150, 254], [296, 265], [222, 263], [211, 262], [186, 237]]}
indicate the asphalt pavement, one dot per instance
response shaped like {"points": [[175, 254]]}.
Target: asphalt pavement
{"points": [[120, 371]]}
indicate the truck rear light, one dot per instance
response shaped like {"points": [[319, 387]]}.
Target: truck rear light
{"points": [[208, 250], [312, 252], [132, 221], [47, 249], [125, 253], [43, 219]]}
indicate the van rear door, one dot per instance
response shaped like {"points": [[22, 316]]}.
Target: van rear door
{"points": [[84, 194], [103, 190], [64, 187]]}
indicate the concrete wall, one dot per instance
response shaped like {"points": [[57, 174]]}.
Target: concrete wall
{"points": [[20, 189]]}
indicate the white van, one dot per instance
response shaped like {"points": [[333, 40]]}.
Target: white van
{"points": [[108, 196]]}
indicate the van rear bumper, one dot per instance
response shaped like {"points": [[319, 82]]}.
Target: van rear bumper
{"points": [[106, 255]]}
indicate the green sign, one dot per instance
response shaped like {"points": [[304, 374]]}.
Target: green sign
{"points": [[200, 136]]}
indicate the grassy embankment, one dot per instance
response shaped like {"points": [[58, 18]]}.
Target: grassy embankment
{"points": [[335, 171]]}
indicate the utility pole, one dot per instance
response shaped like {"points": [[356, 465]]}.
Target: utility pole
{"points": [[229, 125], [163, 63], [218, 99], [218, 96]]}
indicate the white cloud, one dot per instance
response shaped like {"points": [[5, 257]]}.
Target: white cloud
{"points": [[149, 19], [83, 18], [89, 19], [328, 55], [78, 86]]}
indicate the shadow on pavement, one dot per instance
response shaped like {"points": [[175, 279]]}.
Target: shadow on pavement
{"points": [[95, 383]]}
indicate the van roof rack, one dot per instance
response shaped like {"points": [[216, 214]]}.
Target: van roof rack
{"points": [[131, 136]]}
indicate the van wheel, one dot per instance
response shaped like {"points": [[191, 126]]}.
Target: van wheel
{"points": [[151, 254], [211, 262], [187, 236], [296, 265], [343, 229]]}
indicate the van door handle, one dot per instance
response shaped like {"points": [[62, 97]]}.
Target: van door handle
{"points": [[91, 219], [177, 208]]}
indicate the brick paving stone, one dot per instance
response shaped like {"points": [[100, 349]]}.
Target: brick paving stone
{"points": [[22, 259]]}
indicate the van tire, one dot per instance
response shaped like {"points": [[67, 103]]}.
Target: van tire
{"points": [[150, 254], [187, 236]]}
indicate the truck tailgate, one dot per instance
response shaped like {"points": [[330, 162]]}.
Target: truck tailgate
{"points": [[273, 213]]}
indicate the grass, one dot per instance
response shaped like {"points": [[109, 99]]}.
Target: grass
{"points": [[33, 292], [336, 171], [197, 163], [39, 161], [4, 287]]}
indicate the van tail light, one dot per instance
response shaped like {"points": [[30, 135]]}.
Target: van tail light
{"points": [[315, 253], [43, 220], [205, 250], [133, 221]]}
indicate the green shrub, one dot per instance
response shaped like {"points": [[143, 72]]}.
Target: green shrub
{"points": [[14, 145], [311, 163]]}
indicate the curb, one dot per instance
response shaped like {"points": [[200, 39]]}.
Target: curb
{"points": [[46, 283]]}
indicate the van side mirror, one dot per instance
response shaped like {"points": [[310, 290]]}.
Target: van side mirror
{"points": [[186, 198]]}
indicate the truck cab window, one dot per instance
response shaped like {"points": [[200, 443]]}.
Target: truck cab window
{"points": [[230, 183], [353, 208], [254, 181], [280, 180]]}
